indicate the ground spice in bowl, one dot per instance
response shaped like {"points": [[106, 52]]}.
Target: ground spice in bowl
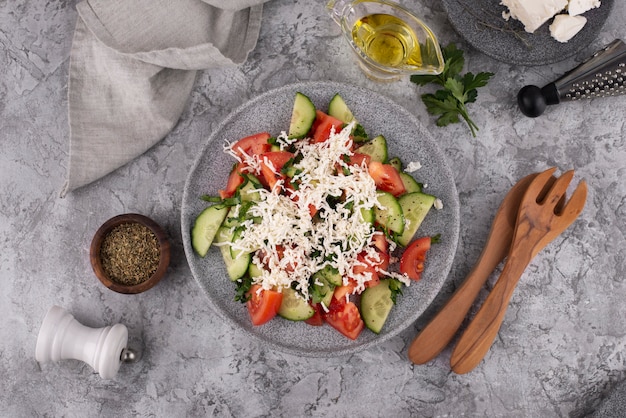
{"points": [[130, 253]]}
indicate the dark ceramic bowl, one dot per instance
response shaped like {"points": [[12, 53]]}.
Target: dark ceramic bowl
{"points": [[96, 260]]}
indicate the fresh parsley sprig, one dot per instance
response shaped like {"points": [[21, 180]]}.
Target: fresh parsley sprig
{"points": [[458, 90]]}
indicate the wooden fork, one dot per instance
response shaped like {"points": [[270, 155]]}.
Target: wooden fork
{"points": [[540, 220]]}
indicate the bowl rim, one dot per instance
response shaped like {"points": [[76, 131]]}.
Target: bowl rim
{"points": [[164, 253]]}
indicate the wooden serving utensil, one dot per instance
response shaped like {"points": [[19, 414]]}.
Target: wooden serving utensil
{"points": [[438, 333], [539, 221]]}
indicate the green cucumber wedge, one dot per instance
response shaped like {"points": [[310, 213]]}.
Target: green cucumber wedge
{"points": [[302, 116], [410, 185], [376, 303], [376, 149], [396, 163], [391, 216], [248, 190], [415, 207], [337, 108], [237, 262], [294, 307], [322, 292], [205, 228], [331, 275]]}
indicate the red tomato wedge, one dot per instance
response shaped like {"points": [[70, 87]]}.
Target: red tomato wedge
{"points": [[386, 178], [346, 319], [263, 305], [369, 267], [358, 159], [323, 125], [252, 145], [381, 243], [234, 181], [277, 160], [413, 258], [340, 292]]}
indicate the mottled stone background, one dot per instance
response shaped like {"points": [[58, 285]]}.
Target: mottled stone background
{"points": [[559, 353]]}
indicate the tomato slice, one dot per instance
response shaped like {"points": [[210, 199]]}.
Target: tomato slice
{"points": [[346, 319], [369, 267], [323, 125], [252, 145], [277, 160], [263, 304], [413, 258], [342, 291], [381, 243], [235, 180], [386, 178], [317, 319], [359, 159]]}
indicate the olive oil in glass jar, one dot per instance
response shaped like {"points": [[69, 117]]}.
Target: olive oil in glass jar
{"points": [[387, 40]]}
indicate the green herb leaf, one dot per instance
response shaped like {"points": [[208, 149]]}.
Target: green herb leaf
{"points": [[454, 60], [396, 289], [242, 289], [458, 90]]}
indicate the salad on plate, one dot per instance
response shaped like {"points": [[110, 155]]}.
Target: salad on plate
{"points": [[318, 224]]}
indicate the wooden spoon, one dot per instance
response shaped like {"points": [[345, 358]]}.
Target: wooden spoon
{"points": [[438, 333], [539, 221]]}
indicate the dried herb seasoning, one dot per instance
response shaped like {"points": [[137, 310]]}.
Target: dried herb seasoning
{"points": [[130, 253]]}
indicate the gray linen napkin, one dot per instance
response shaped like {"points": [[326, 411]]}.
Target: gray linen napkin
{"points": [[132, 67]]}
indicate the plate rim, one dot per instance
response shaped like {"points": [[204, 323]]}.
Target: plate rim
{"points": [[211, 140]]}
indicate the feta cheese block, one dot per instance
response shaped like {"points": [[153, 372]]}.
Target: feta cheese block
{"points": [[578, 7], [534, 13], [565, 26]]}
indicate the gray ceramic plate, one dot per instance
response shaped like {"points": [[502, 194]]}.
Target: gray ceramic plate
{"points": [[480, 22], [407, 138]]}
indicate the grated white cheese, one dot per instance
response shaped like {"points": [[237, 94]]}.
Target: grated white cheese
{"points": [[287, 242], [413, 166]]}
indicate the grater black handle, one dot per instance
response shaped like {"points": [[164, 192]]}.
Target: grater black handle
{"points": [[602, 75]]}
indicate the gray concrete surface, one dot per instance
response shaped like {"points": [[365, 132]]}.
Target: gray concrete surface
{"points": [[559, 353]]}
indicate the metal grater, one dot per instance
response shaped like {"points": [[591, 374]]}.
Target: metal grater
{"points": [[602, 75]]}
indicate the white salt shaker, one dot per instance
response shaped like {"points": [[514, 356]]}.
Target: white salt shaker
{"points": [[63, 337]]}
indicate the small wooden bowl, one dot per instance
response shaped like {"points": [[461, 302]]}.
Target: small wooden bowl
{"points": [[96, 261]]}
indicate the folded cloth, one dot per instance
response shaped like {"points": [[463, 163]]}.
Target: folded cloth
{"points": [[132, 67]]}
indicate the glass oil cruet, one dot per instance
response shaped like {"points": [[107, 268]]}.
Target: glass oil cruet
{"points": [[388, 40]]}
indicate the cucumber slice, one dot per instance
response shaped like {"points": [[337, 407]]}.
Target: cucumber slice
{"points": [[376, 303], [323, 292], [246, 191], [302, 116], [337, 108], [206, 226], [294, 307], [415, 207], [237, 262], [376, 149], [391, 217], [396, 163], [254, 270], [409, 182], [368, 215], [331, 275]]}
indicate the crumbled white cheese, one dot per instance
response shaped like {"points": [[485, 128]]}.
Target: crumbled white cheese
{"points": [[413, 166], [285, 238], [578, 7], [438, 204], [534, 13], [565, 27]]}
